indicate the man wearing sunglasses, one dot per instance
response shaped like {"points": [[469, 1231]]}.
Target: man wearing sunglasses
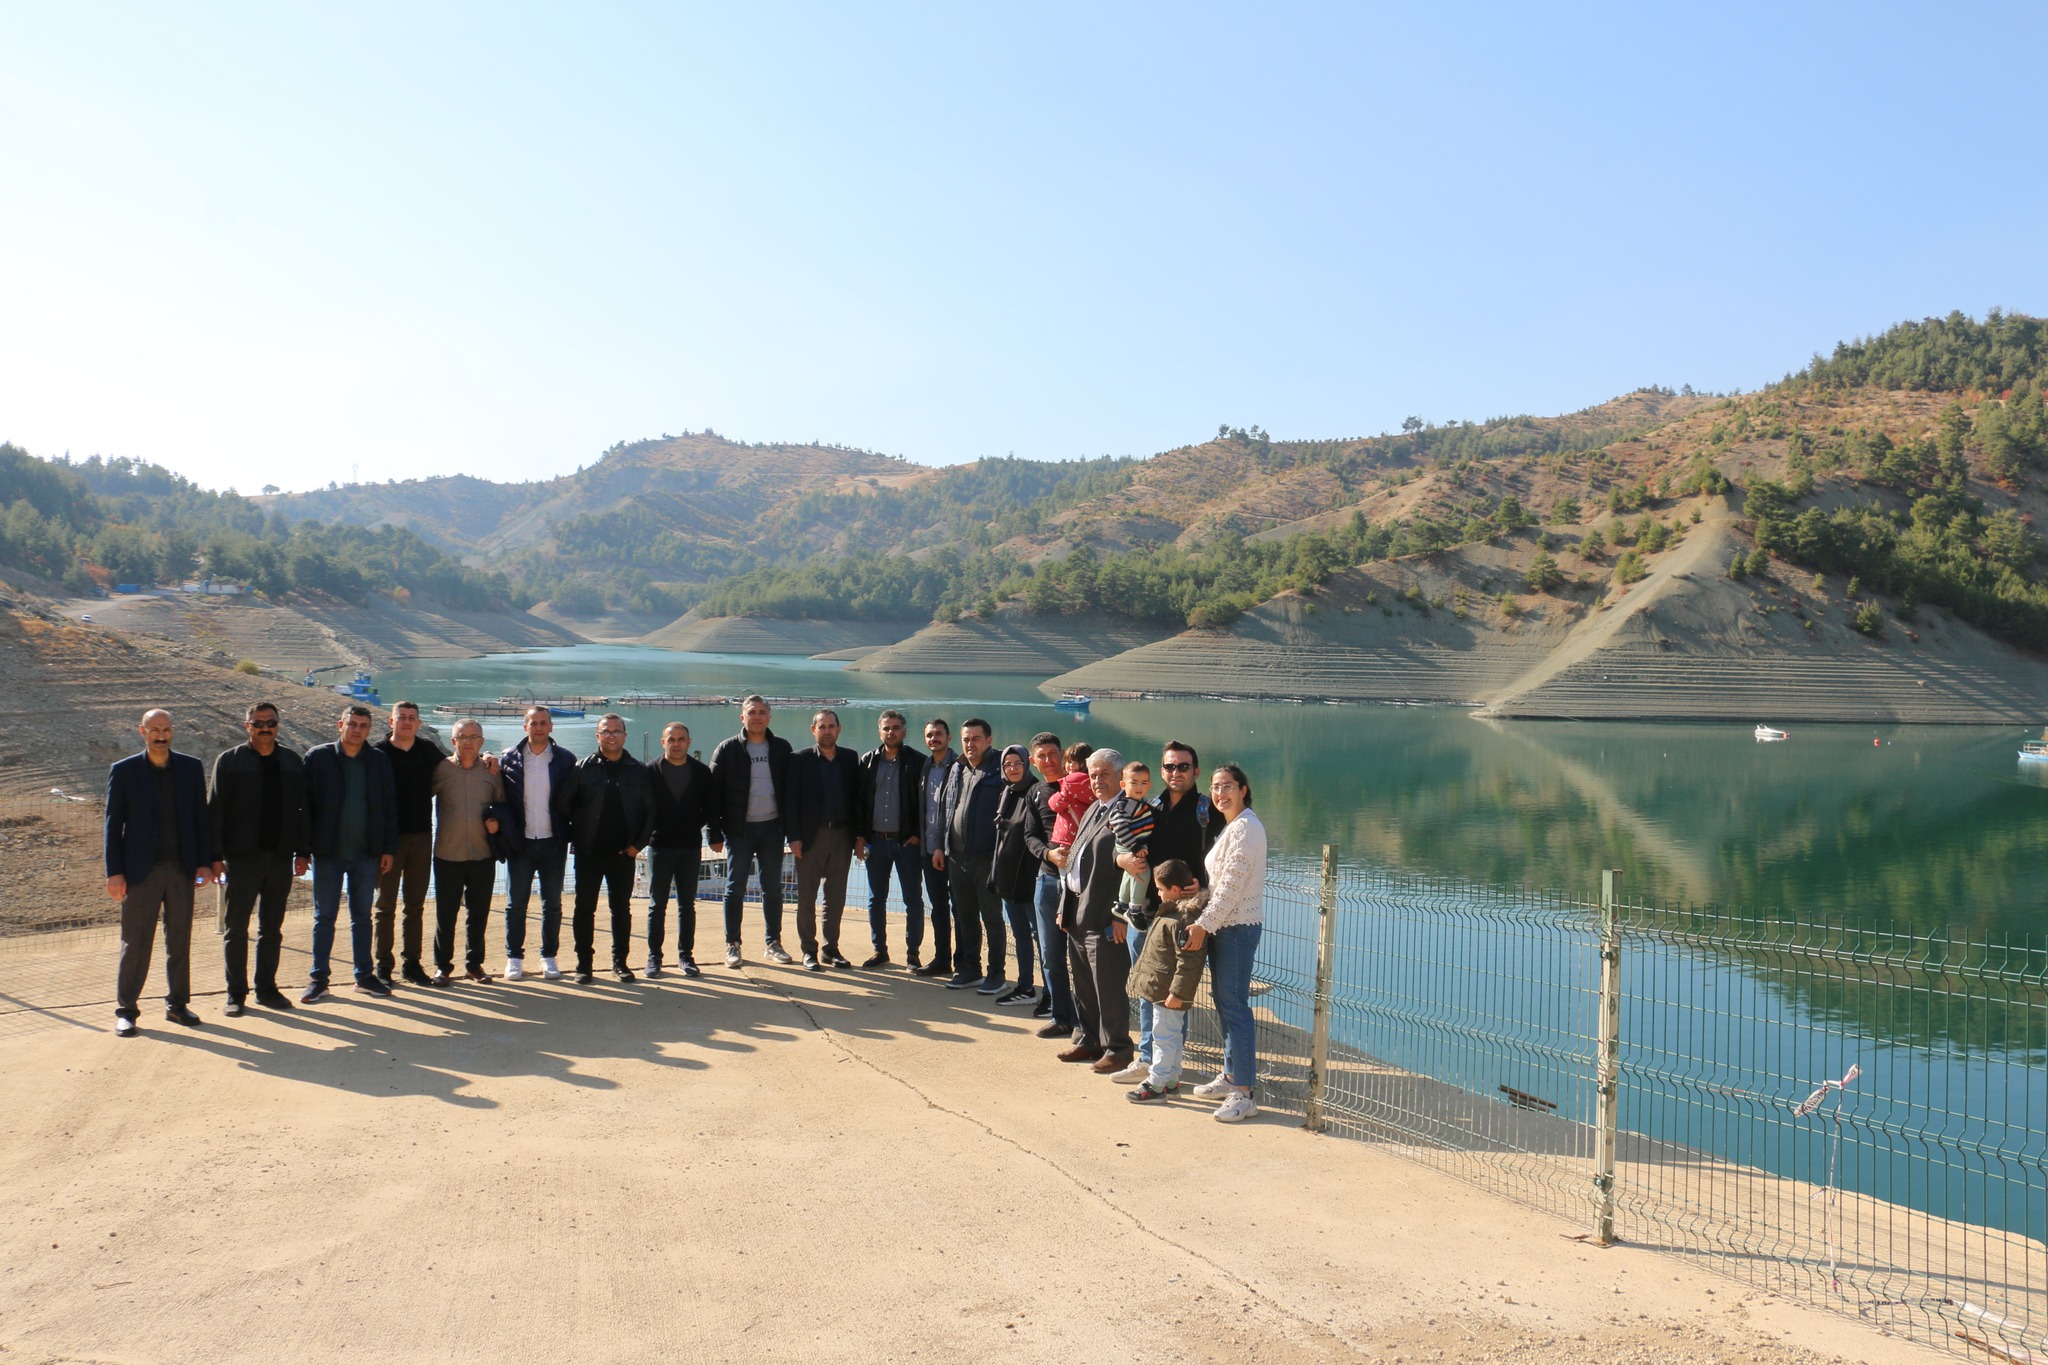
{"points": [[261, 829]]}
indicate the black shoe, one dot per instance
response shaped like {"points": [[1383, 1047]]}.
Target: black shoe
{"points": [[1017, 995], [622, 971], [911, 962], [1043, 1009], [960, 981], [273, 1000], [384, 979], [689, 967], [178, 1014], [938, 966], [811, 963], [880, 959], [316, 991], [584, 976], [834, 959], [415, 974], [234, 1009], [375, 985]]}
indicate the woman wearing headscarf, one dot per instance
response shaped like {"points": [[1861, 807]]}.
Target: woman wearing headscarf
{"points": [[1232, 925], [1013, 873]]}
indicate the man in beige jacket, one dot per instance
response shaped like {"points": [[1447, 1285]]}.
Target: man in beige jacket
{"points": [[464, 788]]}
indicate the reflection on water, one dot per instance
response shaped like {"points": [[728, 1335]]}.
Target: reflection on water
{"points": [[1895, 827]]}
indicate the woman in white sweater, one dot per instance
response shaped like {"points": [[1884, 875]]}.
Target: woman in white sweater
{"points": [[1232, 925]]}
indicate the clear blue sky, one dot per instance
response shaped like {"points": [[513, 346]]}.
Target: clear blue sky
{"points": [[264, 243]]}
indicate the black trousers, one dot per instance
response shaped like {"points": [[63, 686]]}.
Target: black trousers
{"points": [[977, 914], [165, 892], [675, 868], [938, 899], [261, 882], [457, 883], [615, 872], [1100, 967]]}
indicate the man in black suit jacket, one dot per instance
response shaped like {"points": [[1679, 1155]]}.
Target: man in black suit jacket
{"points": [[262, 831], [1097, 958], [686, 810], [159, 845], [824, 822]]}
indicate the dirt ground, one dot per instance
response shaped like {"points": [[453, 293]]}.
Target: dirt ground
{"points": [[758, 1165]]}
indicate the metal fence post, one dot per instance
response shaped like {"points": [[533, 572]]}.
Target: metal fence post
{"points": [[1326, 965], [1607, 1065]]}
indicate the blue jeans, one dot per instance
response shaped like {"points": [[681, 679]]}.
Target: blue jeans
{"points": [[1231, 954], [1135, 940], [938, 895], [328, 875], [756, 843], [1022, 931], [548, 858], [1052, 951], [1169, 1045], [887, 854]]}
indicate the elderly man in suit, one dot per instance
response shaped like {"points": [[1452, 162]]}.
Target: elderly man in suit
{"points": [[1099, 962], [159, 845]]}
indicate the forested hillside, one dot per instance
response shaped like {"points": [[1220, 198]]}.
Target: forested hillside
{"points": [[92, 524]]}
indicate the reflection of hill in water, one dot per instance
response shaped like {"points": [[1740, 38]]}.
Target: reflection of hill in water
{"points": [[1932, 828]]}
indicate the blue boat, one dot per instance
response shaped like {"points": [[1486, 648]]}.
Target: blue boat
{"points": [[1074, 701], [362, 688]]}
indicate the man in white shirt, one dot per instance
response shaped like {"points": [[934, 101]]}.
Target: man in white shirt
{"points": [[534, 770]]}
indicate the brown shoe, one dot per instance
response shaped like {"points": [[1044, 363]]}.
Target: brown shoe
{"points": [[1081, 1053], [440, 979], [476, 974], [1112, 1061]]}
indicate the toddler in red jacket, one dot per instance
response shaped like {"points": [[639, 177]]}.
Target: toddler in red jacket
{"points": [[1075, 796]]}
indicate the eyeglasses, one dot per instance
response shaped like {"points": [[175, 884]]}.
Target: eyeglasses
{"points": [[1178, 767], [262, 725]]}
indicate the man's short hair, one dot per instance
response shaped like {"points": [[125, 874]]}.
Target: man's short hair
{"points": [[356, 710], [753, 699], [972, 722], [675, 725], [893, 715], [542, 709], [940, 722], [1108, 758], [611, 715], [465, 723], [411, 706], [1045, 737], [823, 712], [256, 706], [1185, 748], [1174, 872]]}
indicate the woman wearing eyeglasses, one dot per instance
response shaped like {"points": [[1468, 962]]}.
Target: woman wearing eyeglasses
{"points": [[1232, 926]]}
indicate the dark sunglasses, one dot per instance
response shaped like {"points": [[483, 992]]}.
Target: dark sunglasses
{"points": [[1178, 767], [262, 725]]}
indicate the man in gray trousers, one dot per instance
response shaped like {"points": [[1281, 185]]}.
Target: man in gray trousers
{"points": [[159, 845]]}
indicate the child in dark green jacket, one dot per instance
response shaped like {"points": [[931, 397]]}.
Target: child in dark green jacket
{"points": [[1167, 974]]}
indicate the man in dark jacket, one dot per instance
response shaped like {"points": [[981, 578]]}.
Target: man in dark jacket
{"points": [[262, 831], [750, 773], [159, 845], [354, 809], [534, 770], [1056, 1005], [966, 854], [610, 814], [940, 756], [824, 833], [687, 815], [413, 761], [1098, 960], [891, 795]]}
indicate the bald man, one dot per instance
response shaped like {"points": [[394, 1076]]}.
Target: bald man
{"points": [[159, 845]]}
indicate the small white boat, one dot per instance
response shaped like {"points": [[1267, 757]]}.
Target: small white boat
{"points": [[2034, 751], [1765, 734]]}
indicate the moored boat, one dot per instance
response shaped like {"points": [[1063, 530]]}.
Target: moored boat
{"points": [[1765, 734]]}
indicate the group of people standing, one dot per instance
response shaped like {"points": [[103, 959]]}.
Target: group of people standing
{"points": [[1057, 860]]}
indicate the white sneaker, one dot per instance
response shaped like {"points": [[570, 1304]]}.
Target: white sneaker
{"points": [[732, 955], [1236, 1109], [1136, 1071], [549, 971], [515, 969], [1213, 1090]]}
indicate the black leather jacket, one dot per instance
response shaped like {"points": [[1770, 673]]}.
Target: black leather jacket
{"points": [[579, 802]]}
